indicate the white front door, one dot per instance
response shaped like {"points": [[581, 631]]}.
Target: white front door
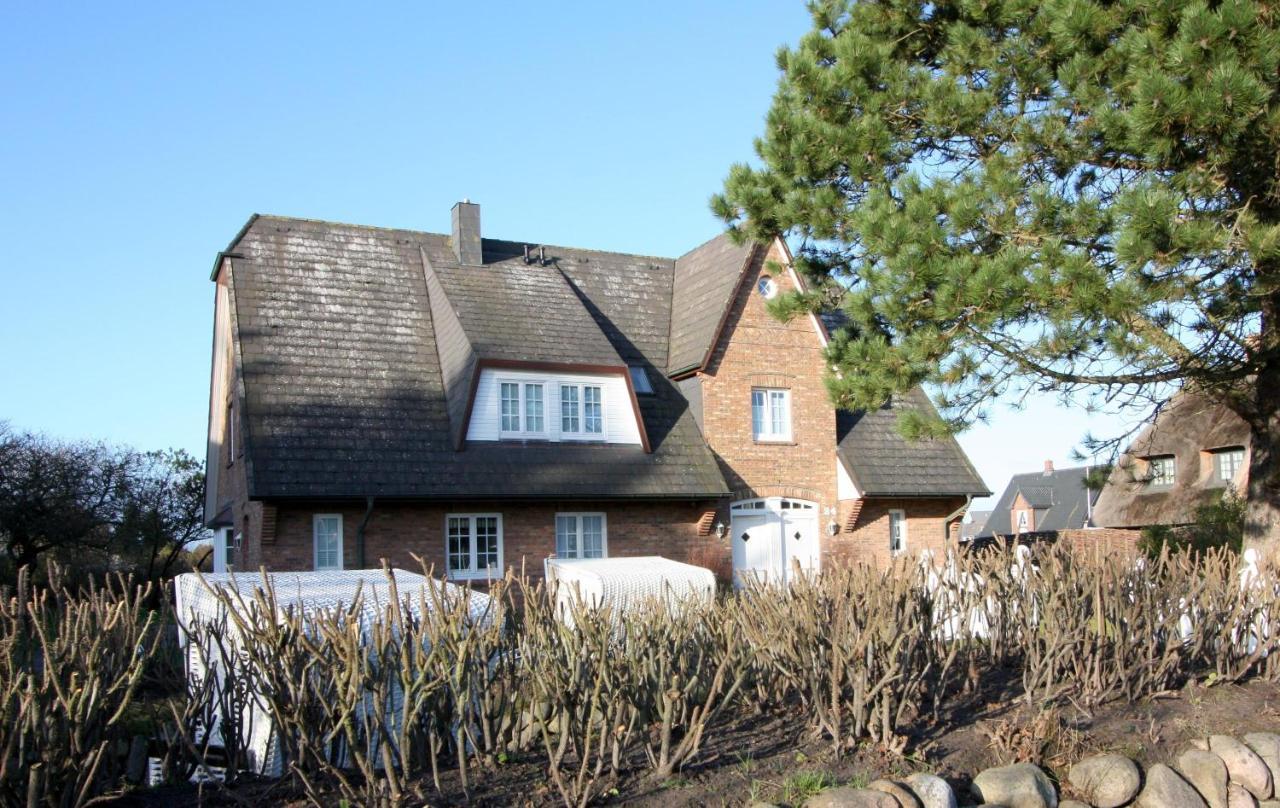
{"points": [[771, 537]]}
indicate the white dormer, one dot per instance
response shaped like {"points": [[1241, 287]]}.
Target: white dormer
{"points": [[556, 406]]}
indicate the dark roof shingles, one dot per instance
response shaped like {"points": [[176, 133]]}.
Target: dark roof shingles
{"points": [[884, 463], [344, 390]]}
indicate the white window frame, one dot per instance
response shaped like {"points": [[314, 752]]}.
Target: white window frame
{"points": [[580, 411], [522, 388], [222, 549], [315, 545], [473, 571], [1238, 455], [578, 516], [901, 517], [768, 434], [1024, 521], [1161, 481]]}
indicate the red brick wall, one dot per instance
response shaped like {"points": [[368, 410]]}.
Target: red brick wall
{"points": [[398, 531], [232, 486], [1102, 540], [757, 350], [868, 543]]}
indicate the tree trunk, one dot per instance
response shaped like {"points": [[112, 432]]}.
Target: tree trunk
{"points": [[1262, 511]]}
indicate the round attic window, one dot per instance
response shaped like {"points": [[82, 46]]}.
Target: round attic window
{"points": [[767, 287]]}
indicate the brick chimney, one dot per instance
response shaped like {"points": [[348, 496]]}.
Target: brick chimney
{"points": [[466, 233], [1048, 468]]}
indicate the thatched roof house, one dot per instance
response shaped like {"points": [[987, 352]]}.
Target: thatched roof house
{"points": [[1191, 453]]}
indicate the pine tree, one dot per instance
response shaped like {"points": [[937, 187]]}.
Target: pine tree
{"points": [[1053, 195]]}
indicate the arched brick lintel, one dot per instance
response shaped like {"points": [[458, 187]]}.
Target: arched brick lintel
{"points": [[777, 490]]}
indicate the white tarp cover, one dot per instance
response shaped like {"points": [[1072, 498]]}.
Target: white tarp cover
{"points": [[624, 583], [307, 593]]}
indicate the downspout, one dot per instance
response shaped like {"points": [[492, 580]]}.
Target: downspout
{"points": [[364, 522]]}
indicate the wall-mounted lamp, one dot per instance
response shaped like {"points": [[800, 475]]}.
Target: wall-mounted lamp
{"points": [[721, 530], [833, 527]]}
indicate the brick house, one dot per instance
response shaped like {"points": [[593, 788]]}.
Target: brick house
{"points": [[484, 404], [1042, 504]]}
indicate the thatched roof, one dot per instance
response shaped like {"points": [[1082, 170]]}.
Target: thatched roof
{"points": [[1190, 429]]}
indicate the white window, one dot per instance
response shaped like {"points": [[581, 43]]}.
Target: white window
{"points": [[768, 288], [581, 535], [640, 380], [221, 549], [771, 414], [1161, 471], [1227, 463], [473, 545], [581, 410], [897, 532], [523, 409], [326, 530], [1024, 522]]}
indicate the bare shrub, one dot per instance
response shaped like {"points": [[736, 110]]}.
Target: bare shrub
{"points": [[579, 706], [688, 663], [69, 667], [856, 647]]}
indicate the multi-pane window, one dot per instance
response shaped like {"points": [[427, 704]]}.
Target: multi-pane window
{"points": [[897, 532], [771, 414], [581, 410], [581, 535], [327, 536], [510, 407], [522, 408], [569, 415], [1227, 463], [473, 544], [1024, 521], [1161, 471]]}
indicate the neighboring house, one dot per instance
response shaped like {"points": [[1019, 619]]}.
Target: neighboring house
{"points": [[1193, 451], [1042, 504], [973, 524], [484, 404]]}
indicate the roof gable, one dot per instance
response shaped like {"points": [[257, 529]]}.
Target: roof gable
{"points": [[1059, 498]]}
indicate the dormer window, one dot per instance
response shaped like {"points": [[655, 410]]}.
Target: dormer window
{"points": [[1161, 471], [581, 410], [771, 414], [523, 410], [1227, 464], [1024, 521]]}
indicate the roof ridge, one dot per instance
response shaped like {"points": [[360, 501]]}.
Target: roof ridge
{"points": [[307, 220]]}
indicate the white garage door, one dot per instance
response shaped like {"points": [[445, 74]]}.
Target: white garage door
{"points": [[771, 536]]}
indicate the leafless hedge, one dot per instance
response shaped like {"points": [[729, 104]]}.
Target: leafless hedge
{"points": [[376, 711]]}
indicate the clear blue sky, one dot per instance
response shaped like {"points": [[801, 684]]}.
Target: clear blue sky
{"points": [[135, 140]]}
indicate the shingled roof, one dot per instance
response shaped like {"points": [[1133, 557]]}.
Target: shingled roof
{"points": [[343, 356], [1058, 497], [358, 349], [884, 463]]}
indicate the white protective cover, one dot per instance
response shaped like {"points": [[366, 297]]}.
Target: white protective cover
{"points": [[307, 593], [624, 583]]}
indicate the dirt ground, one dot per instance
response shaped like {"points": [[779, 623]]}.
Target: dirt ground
{"points": [[773, 758]]}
